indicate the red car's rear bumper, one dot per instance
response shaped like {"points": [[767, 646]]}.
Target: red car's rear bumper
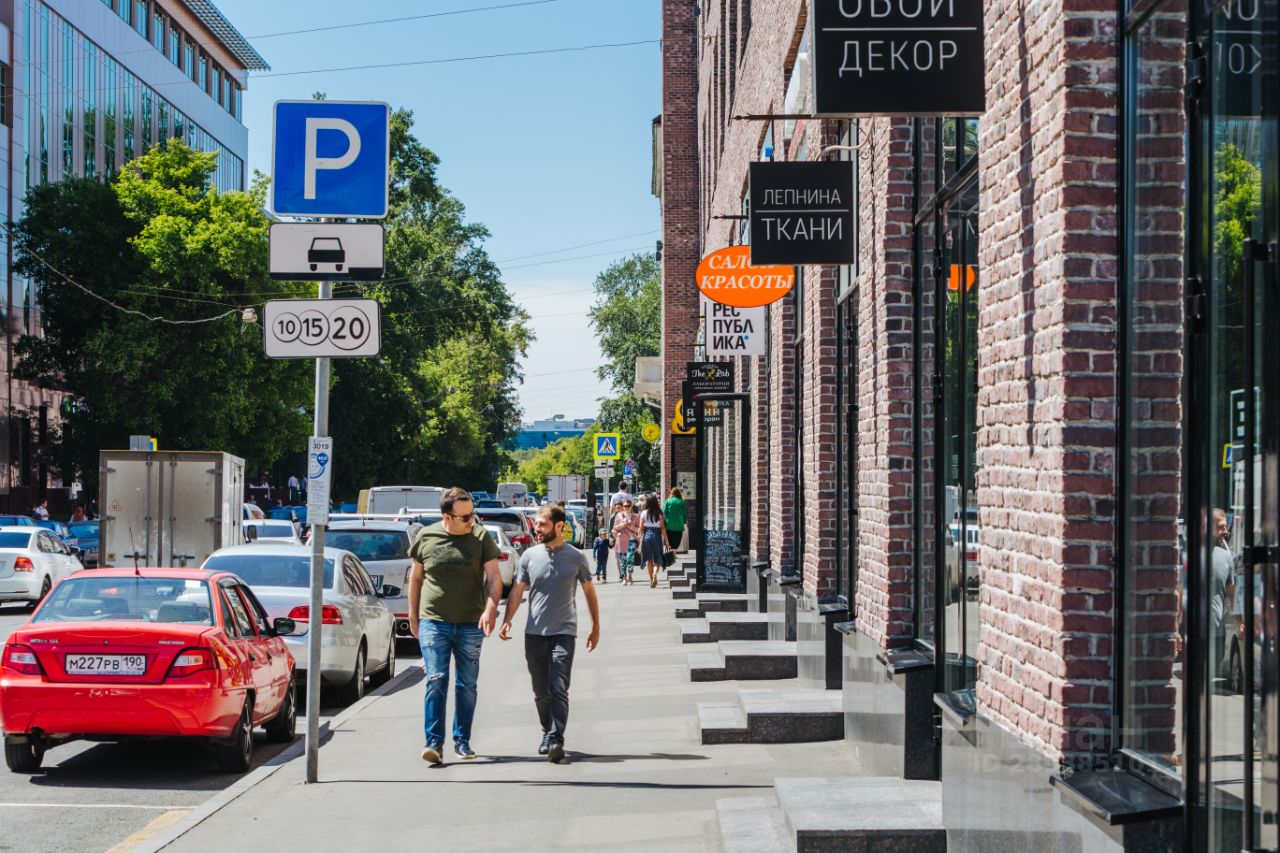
{"points": [[29, 703]]}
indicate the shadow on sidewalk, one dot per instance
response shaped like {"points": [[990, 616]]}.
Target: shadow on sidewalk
{"points": [[572, 783]]}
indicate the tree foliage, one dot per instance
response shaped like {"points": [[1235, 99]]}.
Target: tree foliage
{"points": [[440, 402], [157, 242]]}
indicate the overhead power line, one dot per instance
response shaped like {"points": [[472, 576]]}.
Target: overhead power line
{"points": [[579, 246], [614, 252], [403, 19], [416, 62]]}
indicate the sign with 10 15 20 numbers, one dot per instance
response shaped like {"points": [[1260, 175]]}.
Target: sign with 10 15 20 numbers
{"points": [[321, 328]]}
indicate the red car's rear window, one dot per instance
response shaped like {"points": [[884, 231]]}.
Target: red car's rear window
{"points": [[128, 599]]}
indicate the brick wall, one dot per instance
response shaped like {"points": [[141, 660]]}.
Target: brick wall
{"points": [[680, 231], [1046, 369]]}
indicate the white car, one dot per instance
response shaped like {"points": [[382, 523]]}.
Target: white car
{"points": [[32, 560], [507, 557], [358, 637], [383, 547], [271, 530]]}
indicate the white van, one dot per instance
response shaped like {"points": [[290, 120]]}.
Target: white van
{"points": [[513, 494], [388, 500]]}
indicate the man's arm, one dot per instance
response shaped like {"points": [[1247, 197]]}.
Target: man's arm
{"points": [[513, 604], [493, 583], [416, 574], [593, 605]]}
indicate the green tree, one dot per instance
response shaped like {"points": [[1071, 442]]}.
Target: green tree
{"points": [[439, 403], [107, 260], [627, 316]]}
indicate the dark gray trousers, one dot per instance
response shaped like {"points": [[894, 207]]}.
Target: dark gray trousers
{"points": [[550, 661]]}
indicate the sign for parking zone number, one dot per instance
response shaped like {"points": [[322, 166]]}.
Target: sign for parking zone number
{"points": [[608, 446], [330, 158], [321, 328], [319, 477]]}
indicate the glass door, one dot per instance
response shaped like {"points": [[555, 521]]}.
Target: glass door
{"points": [[1239, 362]]}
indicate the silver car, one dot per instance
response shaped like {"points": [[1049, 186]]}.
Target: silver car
{"points": [[383, 547], [32, 561], [357, 634]]}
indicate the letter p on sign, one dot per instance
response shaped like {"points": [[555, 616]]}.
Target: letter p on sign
{"points": [[331, 158]]}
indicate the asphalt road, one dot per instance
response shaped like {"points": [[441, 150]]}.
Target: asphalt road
{"points": [[94, 797]]}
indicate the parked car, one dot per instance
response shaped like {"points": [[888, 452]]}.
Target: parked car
{"points": [[120, 654], [487, 503], [32, 561], [383, 547], [481, 496], [59, 529], [357, 628], [578, 516], [86, 534], [507, 557], [517, 524], [271, 530], [17, 521]]}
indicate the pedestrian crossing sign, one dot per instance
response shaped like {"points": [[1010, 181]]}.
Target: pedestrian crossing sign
{"points": [[607, 445]]}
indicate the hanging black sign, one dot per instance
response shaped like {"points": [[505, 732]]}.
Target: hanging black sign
{"points": [[709, 377], [713, 412], [897, 58], [802, 213], [689, 408]]}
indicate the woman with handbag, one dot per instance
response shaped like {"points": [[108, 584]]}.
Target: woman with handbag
{"points": [[626, 527], [654, 538]]}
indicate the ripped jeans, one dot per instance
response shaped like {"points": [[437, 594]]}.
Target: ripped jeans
{"points": [[440, 641]]}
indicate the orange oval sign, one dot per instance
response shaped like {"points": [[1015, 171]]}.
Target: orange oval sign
{"points": [[727, 277]]}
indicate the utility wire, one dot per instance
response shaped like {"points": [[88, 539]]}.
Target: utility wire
{"points": [[355, 24], [614, 252], [579, 246], [416, 62]]}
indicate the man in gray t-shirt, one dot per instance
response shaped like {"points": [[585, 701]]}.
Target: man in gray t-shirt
{"points": [[552, 570]]}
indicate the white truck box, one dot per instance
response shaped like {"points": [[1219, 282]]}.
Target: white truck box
{"points": [[174, 507], [566, 487], [387, 500]]}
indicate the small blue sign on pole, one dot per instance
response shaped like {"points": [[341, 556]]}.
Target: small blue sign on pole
{"points": [[331, 158]]}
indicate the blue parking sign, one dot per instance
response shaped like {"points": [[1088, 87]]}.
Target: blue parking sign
{"points": [[331, 158]]}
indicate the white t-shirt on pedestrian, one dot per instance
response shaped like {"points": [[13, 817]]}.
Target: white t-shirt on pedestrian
{"points": [[620, 497]]}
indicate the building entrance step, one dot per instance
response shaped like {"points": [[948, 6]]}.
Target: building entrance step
{"points": [[694, 631], [756, 660], [713, 602], [775, 715], [752, 825], [679, 594], [875, 814]]}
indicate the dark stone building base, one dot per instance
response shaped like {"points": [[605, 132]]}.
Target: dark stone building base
{"points": [[888, 706]]}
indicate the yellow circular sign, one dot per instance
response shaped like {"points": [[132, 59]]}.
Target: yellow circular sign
{"points": [[651, 432], [677, 420]]}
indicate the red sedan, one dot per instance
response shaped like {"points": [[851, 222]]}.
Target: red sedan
{"points": [[120, 654]]}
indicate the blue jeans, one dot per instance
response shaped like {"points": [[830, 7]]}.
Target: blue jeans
{"points": [[439, 641]]}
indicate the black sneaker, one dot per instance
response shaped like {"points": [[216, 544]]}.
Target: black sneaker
{"points": [[556, 753], [463, 750], [431, 753], [545, 746]]}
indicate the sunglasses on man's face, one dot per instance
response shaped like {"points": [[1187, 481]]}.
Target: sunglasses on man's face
{"points": [[463, 518]]}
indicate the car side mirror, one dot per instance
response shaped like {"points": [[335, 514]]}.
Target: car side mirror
{"points": [[389, 591], [75, 552], [283, 626], [251, 533]]}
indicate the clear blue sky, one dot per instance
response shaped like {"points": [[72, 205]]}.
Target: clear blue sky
{"points": [[547, 151]]}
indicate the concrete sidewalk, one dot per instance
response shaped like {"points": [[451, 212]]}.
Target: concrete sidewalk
{"points": [[636, 778]]}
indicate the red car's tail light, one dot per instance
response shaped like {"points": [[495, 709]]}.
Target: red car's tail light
{"points": [[191, 661], [521, 540], [23, 564], [21, 659], [329, 615], [505, 556]]}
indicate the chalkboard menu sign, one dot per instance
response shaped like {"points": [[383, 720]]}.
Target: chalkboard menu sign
{"points": [[722, 560]]}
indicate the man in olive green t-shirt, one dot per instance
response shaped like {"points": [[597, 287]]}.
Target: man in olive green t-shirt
{"points": [[454, 589]]}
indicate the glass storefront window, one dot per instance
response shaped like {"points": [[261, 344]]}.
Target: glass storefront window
{"points": [[925, 531]]}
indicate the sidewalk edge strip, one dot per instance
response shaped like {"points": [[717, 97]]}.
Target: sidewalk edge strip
{"points": [[297, 750]]}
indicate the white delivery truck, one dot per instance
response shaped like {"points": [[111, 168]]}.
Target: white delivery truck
{"points": [[389, 500], [513, 494], [566, 487], [168, 508]]}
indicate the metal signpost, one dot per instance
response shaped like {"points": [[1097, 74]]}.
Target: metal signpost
{"points": [[330, 159]]}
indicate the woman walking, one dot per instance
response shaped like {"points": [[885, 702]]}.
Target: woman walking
{"points": [[626, 527], [655, 531], [674, 517]]}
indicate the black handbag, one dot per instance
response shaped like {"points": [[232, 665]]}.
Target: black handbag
{"points": [[668, 558]]}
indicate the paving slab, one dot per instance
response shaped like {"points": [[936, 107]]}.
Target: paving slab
{"points": [[752, 825], [872, 814], [637, 776]]}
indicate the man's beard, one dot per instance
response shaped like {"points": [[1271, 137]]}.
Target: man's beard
{"points": [[548, 538]]}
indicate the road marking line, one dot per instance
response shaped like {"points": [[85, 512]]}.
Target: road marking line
{"points": [[145, 834], [89, 806]]}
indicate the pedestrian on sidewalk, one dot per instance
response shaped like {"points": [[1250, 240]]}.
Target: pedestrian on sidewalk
{"points": [[620, 498], [552, 570], [454, 590], [673, 514], [653, 538], [626, 527], [600, 550]]}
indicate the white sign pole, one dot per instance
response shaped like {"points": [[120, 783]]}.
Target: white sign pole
{"points": [[315, 612]]}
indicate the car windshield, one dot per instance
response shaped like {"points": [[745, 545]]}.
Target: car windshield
{"points": [[15, 540], [371, 544], [127, 599], [276, 531], [88, 530], [286, 570]]}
